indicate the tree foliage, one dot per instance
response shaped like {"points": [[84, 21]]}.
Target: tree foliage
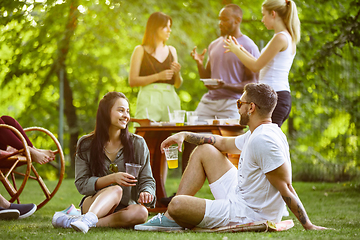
{"points": [[89, 45], [326, 89]]}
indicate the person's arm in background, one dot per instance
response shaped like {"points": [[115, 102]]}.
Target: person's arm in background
{"points": [[249, 77], [277, 44], [204, 72], [175, 66]]}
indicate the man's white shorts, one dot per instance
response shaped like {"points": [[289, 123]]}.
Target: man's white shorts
{"points": [[218, 211]]}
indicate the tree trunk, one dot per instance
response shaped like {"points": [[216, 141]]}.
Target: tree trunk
{"points": [[71, 119], [69, 109]]}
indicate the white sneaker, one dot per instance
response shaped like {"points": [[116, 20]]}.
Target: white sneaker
{"points": [[85, 223], [62, 220], [71, 210]]}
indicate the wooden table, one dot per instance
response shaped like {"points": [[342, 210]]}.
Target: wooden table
{"points": [[155, 135]]}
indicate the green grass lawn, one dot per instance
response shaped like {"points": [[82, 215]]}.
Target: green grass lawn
{"points": [[334, 205]]}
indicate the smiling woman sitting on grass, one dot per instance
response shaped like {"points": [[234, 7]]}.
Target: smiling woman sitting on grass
{"points": [[113, 197]]}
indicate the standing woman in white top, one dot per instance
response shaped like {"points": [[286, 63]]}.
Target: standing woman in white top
{"points": [[277, 56]]}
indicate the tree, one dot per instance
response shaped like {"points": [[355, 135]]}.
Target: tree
{"points": [[90, 43], [326, 97]]}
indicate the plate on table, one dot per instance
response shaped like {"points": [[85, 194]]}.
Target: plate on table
{"points": [[210, 81], [167, 124], [222, 121]]}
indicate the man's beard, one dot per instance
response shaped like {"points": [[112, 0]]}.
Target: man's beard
{"points": [[244, 119], [224, 33], [227, 31]]}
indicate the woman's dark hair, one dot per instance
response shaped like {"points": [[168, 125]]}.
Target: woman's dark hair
{"points": [[100, 136], [156, 20]]}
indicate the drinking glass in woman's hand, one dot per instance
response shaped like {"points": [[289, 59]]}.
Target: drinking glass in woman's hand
{"points": [[133, 169], [124, 179]]}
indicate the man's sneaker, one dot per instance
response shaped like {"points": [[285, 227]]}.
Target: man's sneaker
{"points": [[159, 223], [25, 209], [85, 223], [71, 210], [62, 220], [9, 214]]}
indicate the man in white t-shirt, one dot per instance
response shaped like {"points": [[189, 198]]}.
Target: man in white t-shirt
{"points": [[254, 192]]}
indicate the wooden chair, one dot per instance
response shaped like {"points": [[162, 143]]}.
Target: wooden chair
{"points": [[10, 167]]}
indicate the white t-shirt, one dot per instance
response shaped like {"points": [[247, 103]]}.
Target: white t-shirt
{"points": [[276, 72], [263, 151]]}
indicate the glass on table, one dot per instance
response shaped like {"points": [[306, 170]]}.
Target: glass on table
{"points": [[179, 116], [191, 117]]}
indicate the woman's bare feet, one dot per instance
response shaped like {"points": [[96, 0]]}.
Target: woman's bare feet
{"points": [[9, 151], [49, 153], [41, 156], [4, 153]]}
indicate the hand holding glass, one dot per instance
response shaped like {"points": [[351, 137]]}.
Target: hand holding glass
{"points": [[171, 154]]}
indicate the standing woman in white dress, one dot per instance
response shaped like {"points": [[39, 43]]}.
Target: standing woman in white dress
{"points": [[277, 56]]}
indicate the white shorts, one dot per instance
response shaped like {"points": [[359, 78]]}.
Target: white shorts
{"points": [[218, 211], [222, 109]]}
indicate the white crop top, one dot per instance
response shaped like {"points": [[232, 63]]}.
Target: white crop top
{"points": [[276, 72]]}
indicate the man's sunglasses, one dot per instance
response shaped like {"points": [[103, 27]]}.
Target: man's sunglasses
{"points": [[239, 103]]}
